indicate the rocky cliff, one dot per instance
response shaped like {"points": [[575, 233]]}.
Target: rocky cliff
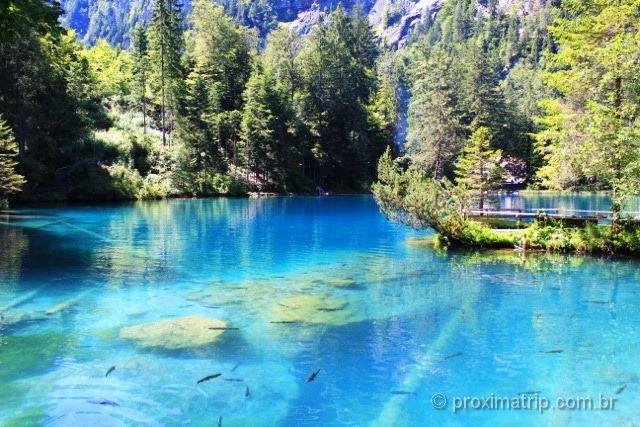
{"points": [[392, 19]]}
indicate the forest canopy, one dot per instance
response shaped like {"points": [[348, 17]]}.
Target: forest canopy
{"points": [[545, 96]]}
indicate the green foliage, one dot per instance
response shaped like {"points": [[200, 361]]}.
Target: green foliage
{"points": [[20, 17], [219, 55], [10, 181], [591, 128], [338, 80], [47, 90], [265, 132], [112, 69], [282, 58], [465, 72], [412, 198], [592, 239], [140, 58], [478, 167], [436, 130], [166, 45]]}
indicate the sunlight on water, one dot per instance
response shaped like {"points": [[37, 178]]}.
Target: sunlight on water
{"points": [[267, 292]]}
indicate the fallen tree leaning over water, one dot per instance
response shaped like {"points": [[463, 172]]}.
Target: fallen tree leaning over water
{"points": [[409, 196]]}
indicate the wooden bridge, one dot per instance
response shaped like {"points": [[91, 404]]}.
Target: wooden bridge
{"points": [[577, 217]]}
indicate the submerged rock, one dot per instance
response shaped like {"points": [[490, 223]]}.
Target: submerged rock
{"points": [[178, 333], [311, 309], [342, 283]]}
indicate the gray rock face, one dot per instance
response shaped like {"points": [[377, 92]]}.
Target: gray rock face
{"points": [[392, 19]]}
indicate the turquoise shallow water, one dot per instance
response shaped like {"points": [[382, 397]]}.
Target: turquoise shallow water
{"points": [[413, 322]]}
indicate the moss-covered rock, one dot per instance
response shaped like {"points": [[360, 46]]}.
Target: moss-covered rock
{"points": [[311, 309], [178, 333]]}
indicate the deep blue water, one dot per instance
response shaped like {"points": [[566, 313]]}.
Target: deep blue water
{"points": [[413, 323]]}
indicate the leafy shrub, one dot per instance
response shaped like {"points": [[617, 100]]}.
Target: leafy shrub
{"points": [[92, 181], [214, 184], [155, 187], [590, 239], [125, 182]]}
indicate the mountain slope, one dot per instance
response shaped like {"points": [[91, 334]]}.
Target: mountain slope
{"points": [[114, 19], [392, 19]]}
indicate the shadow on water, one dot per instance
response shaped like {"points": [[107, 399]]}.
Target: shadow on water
{"points": [[30, 252]]}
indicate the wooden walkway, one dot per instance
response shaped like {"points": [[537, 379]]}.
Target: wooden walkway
{"points": [[569, 216]]}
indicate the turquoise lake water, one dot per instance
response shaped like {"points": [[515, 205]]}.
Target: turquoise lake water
{"points": [[390, 322]]}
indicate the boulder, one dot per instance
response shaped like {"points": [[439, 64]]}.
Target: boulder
{"points": [[177, 333]]}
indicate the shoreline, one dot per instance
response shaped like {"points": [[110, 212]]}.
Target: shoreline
{"points": [[263, 195]]}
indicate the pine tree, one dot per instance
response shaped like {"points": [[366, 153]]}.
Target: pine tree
{"points": [[10, 180], [140, 70], [337, 83], [269, 147], [165, 49], [281, 56], [220, 56], [477, 168], [436, 133], [484, 98]]}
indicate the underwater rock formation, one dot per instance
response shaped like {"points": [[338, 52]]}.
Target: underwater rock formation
{"points": [[342, 283], [311, 309], [177, 333]]}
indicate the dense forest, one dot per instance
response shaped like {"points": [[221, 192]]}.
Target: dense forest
{"points": [[194, 108], [543, 95]]}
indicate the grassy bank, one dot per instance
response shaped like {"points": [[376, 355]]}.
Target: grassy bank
{"points": [[550, 237]]}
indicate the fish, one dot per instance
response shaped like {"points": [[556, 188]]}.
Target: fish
{"points": [[247, 392], [208, 377], [621, 389], [236, 380], [598, 302], [111, 369], [103, 402], [313, 376], [224, 328], [404, 392], [286, 321], [529, 392], [220, 421], [451, 356], [235, 367], [552, 351]]}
